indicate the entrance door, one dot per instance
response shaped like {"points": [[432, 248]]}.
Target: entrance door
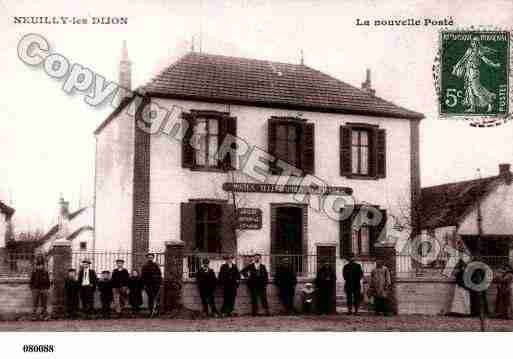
{"points": [[326, 254], [288, 236]]}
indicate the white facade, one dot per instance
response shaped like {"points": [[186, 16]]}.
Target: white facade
{"points": [[171, 184]]}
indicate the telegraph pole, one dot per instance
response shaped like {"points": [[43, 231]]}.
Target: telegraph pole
{"points": [[482, 319]]}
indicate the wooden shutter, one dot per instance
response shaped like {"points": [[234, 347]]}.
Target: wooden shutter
{"points": [[308, 148], [228, 126], [188, 225], [228, 225], [345, 151], [381, 154], [376, 231], [271, 143], [346, 235], [187, 150]]}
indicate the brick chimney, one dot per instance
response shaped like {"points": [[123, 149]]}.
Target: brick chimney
{"points": [[125, 73], [505, 172], [367, 85]]}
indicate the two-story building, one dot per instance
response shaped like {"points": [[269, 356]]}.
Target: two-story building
{"points": [[297, 130]]}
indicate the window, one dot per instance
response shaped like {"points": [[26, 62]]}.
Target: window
{"points": [[206, 133], [292, 140], [362, 151], [83, 246], [357, 235], [287, 143], [208, 227]]}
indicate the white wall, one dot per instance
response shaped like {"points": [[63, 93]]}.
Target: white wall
{"points": [[172, 184], [114, 184], [3, 229], [497, 213]]}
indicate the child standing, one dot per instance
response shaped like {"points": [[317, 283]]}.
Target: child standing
{"points": [[40, 284], [307, 296], [106, 295], [135, 287], [71, 294]]}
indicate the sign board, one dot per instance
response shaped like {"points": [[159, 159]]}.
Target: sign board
{"points": [[249, 218]]}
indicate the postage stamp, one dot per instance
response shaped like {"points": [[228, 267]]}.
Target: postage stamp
{"points": [[475, 75]]}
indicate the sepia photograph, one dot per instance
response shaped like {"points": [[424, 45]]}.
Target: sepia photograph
{"points": [[255, 166]]}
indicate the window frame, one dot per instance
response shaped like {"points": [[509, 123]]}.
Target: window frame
{"points": [[370, 150], [205, 222], [297, 142], [208, 135]]}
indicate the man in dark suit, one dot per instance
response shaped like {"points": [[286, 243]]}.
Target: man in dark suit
{"points": [[88, 280], [325, 284], [257, 279], [229, 277], [286, 280], [207, 282], [40, 284], [353, 274], [151, 277]]}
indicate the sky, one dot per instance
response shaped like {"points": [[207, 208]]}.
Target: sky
{"points": [[47, 146]]}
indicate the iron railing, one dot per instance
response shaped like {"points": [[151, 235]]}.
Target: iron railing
{"points": [[102, 260], [19, 264]]}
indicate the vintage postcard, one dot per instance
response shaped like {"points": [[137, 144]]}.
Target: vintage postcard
{"points": [[254, 166]]}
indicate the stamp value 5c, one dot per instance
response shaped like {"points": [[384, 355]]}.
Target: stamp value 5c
{"points": [[475, 73]]}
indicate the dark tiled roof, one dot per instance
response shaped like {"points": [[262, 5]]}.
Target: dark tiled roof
{"points": [[257, 82], [55, 228], [5, 209], [74, 235], [445, 204]]}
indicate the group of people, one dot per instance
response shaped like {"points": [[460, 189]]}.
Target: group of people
{"points": [[468, 300], [119, 288], [320, 298], [378, 290]]}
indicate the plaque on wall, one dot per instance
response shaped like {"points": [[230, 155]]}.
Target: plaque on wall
{"points": [[249, 218]]}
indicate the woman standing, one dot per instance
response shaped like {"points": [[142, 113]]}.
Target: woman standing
{"points": [[460, 304], [503, 308]]}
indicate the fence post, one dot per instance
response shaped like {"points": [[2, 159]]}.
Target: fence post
{"points": [[173, 276], [61, 254], [387, 253]]}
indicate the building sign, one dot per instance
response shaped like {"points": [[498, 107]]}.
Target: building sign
{"points": [[249, 218], [274, 188]]}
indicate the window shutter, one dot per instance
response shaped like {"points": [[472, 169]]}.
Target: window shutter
{"points": [[376, 231], [381, 154], [228, 225], [187, 149], [308, 148], [373, 153], [345, 151], [188, 225], [346, 234], [271, 143], [228, 126]]}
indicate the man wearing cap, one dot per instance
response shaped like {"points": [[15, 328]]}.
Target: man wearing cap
{"points": [[206, 280], [257, 276], [286, 281], [151, 277], [353, 274], [88, 280], [119, 281], [229, 277]]}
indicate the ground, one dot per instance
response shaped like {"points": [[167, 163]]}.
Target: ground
{"points": [[277, 323]]}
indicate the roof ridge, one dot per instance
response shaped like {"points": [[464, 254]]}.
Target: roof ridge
{"points": [[462, 182]]}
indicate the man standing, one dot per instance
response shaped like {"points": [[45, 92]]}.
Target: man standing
{"points": [[286, 280], [151, 277], [39, 284], [88, 281], [257, 277], [229, 277], [71, 293], [353, 274], [119, 281], [207, 281], [325, 283]]}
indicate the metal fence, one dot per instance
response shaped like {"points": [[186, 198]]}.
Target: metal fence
{"points": [[101, 260], [407, 266]]}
